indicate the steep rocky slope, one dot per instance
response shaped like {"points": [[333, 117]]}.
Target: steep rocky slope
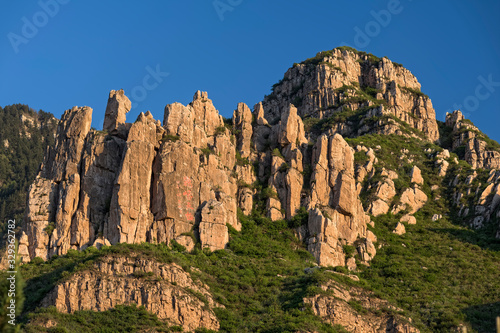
{"points": [[165, 290], [356, 92], [342, 169], [146, 182]]}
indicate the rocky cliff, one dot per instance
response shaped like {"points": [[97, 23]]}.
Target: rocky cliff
{"points": [[345, 142], [163, 289], [135, 182], [144, 182], [356, 92], [369, 313]]}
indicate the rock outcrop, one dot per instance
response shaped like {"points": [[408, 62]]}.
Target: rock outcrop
{"points": [[116, 110], [333, 190], [141, 183], [384, 191], [165, 290], [477, 200], [242, 123], [416, 176], [412, 199], [334, 308], [477, 148], [55, 193], [385, 94]]}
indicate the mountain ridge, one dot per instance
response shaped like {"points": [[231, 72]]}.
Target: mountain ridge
{"points": [[347, 176]]}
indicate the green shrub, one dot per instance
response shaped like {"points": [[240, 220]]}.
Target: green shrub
{"points": [[349, 250], [284, 167], [169, 137], [276, 152], [415, 92], [220, 130], [241, 160], [300, 218], [207, 151], [49, 229], [178, 247]]}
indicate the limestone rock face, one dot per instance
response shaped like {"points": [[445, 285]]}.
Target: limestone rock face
{"points": [[193, 170], [242, 122], [259, 114], [384, 191], [117, 108], [291, 129], [141, 183], [262, 131], [413, 198], [323, 244], [63, 160], [213, 230], [286, 166], [333, 307], [477, 151], [53, 198], [400, 229], [476, 204], [333, 189], [378, 207], [116, 281], [319, 89], [101, 162], [410, 219], [194, 123], [130, 216]]}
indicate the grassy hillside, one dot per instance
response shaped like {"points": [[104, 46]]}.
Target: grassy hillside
{"points": [[441, 274]]}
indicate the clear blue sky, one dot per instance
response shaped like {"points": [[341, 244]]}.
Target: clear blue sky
{"points": [[83, 49]]}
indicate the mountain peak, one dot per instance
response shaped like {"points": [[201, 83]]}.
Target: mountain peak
{"points": [[355, 93]]}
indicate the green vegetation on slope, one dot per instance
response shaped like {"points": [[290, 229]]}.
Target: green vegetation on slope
{"points": [[435, 272], [22, 146], [440, 273], [119, 319], [260, 278], [321, 55]]}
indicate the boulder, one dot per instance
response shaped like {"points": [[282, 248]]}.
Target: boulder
{"points": [[399, 229], [416, 176]]}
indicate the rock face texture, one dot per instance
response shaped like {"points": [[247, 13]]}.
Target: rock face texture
{"points": [[55, 192], [478, 150], [333, 189], [477, 201], [334, 308], [341, 79], [297, 157], [143, 183], [115, 116], [185, 179], [163, 289]]}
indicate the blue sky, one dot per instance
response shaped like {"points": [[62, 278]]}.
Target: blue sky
{"points": [[59, 53]]}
